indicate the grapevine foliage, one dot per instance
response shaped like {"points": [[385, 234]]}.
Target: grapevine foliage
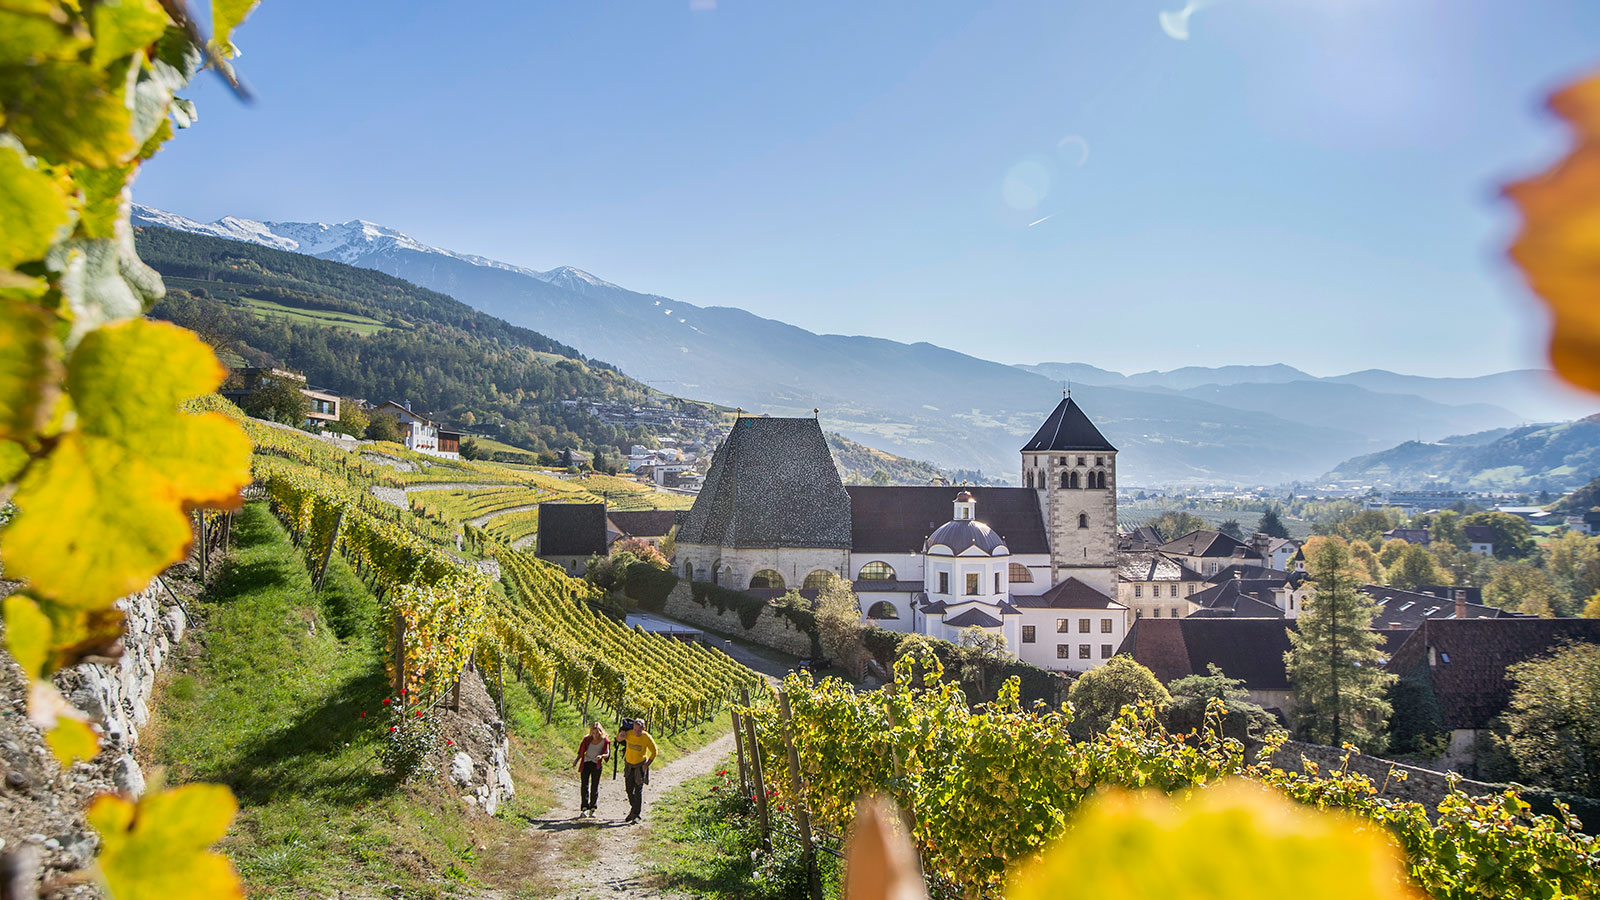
{"points": [[987, 790], [96, 451]]}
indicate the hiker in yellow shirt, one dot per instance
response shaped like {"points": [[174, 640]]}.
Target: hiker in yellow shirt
{"points": [[639, 752]]}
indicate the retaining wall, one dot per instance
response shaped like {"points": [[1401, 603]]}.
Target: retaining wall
{"points": [[770, 629]]}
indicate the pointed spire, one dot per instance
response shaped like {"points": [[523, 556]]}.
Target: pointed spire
{"points": [[1068, 428]]}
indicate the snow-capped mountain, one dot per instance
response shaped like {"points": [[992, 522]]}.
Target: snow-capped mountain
{"points": [[349, 243], [917, 400]]}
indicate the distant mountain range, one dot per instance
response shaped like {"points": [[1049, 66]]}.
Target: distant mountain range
{"points": [[1239, 424], [1555, 458]]}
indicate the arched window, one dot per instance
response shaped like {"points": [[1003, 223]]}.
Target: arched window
{"points": [[1030, 479], [817, 580], [716, 572], [883, 609], [876, 571], [688, 571], [1083, 520], [1097, 479], [1069, 479], [766, 580], [1020, 574]]}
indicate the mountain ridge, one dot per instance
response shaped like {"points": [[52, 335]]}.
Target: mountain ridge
{"points": [[921, 401]]}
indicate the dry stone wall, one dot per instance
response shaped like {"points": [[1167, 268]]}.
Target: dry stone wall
{"points": [[770, 629], [117, 694], [1425, 786]]}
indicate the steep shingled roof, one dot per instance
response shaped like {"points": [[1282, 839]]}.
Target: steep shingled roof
{"points": [[1238, 598], [1470, 656], [571, 529], [772, 483], [1067, 428], [1247, 649], [1409, 609]]}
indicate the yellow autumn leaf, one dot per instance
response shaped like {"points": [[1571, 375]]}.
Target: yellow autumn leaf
{"points": [[1234, 841], [105, 511], [226, 15], [28, 368], [27, 633], [72, 740], [123, 26], [161, 848], [1558, 248], [34, 206]]}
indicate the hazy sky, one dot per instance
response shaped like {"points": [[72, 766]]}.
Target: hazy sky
{"points": [[1302, 181]]}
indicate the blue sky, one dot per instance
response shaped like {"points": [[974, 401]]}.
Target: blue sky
{"points": [[1303, 181]]}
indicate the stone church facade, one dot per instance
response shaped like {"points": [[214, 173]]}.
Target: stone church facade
{"points": [[1035, 564]]}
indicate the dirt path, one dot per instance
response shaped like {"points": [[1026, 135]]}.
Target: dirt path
{"points": [[599, 857]]}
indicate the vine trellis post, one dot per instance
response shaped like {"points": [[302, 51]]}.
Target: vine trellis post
{"points": [[802, 816]]}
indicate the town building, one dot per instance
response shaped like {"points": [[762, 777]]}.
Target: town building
{"points": [[1462, 663], [1480, 539], [247, 380], [1035, 564], [570, 533], [1410, 535], [1249, 649], [420, 433]]}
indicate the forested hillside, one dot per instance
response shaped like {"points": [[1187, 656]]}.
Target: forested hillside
{"points": [[1558, 457], [364, 334]]}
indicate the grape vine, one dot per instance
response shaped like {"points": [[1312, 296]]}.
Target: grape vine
{"points": [[988, 789], [96, 452]]}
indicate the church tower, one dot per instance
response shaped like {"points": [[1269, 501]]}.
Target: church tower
{"points": [[1073, 469]]}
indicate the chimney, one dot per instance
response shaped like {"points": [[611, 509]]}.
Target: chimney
{"points": [[1461, 603]]}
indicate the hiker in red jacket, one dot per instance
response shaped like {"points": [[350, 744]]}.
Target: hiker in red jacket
{"points": [[592, 754]]}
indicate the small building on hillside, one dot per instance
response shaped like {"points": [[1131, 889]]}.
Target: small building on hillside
{"points": [[1480, 539], [420, 433], [1410, 535], [247, 380], [570, 533], [1249, 649], [1462, 664]]}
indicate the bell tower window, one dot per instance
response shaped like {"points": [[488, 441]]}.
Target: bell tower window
{"points": [[1083, 520]]}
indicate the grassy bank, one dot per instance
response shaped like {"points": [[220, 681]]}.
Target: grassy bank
{"points": [[706, 842], [267, 697]]}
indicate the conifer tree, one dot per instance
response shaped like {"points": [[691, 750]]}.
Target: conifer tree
{"points": [[1334, 661], [1271, 525]]}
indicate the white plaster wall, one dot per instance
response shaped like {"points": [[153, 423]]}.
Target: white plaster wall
{"points": [[1042, 652], [793, 563]]}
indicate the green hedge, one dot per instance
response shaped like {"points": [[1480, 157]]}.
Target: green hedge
{"points": [[648, 586], [1035, 683]]}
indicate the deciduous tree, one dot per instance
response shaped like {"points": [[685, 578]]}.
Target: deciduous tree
{"points": [[1176, 523], [1414, 568], [1554, 719], [1099, 695], [1525, 588], [839, 625], [1513, 536], [1334, 658]]}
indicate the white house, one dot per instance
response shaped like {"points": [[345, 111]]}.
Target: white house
{"points": [[421, 434]]}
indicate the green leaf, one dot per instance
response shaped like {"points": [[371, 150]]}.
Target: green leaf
{"points": [[225, 17], [65, 112], [28, 368], [160, 849], [125, 476], [123, 26], [33, 31], [34, 207]]}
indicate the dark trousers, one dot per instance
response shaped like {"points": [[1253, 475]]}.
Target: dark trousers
{"points": [[589, 785], [636, 778]]}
